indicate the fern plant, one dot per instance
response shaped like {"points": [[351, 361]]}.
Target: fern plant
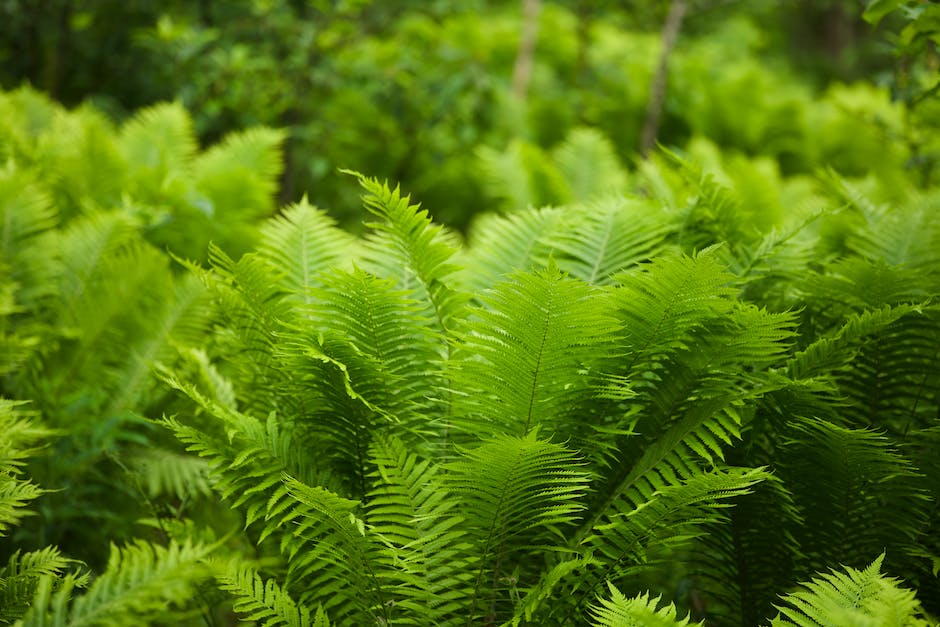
{"points": [[499, 444]]}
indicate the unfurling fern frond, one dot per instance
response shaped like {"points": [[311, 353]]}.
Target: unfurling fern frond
{"points": [[640, 611], [851, 598], [141, 582]]}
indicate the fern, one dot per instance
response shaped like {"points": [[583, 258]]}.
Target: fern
{"points": [[525, 360], [420, 251], [640, 611], [262, 601], [518, 492], [413, 513], [21, 436], [20, 576], [139, 582], [854, 598]]}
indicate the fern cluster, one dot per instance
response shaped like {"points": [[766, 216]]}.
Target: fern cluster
{"points": [[495, 434], [629, 410]]}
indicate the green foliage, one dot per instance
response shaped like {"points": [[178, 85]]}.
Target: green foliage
{"points": [[851, 598]]}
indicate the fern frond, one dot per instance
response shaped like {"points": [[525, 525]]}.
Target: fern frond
{"points": [[516, 492], [855, 492], [164, 472], [412, 512], [669, 517], [239, 176], [838, 348], [669, 300], [332, 558], [525, 358], [588, 162], [521, 176], [300, 244], [598, 240], [640, 611], [541, 598], [500, 245], [21, 437], [140, 582], [420, 253], [257, 600], [159, 144], [26, 215], [854, 598], [20, 576]]}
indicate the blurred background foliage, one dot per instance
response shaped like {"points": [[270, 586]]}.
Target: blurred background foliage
{"points": [[421, 91]]}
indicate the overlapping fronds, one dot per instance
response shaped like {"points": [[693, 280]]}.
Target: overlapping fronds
{"points": [[21, 436], [639, 611], [855, 492], [301, 243], [516, 492], [140, 583], [261, 600], [595, 241], [239, 176], [500, 245], [412, 511], [20, 576], [413, 250], [853, 598], [629, 537], [524, 358]]}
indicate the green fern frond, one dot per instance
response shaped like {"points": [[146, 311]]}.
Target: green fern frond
{"points": [[515, 493], [640, 611], [524, 359], [140, 582], [500, 245], [856, 493], [851, 598], [20, 577], [588, 162], [412, 248], [332, 558], [541, 598], [239, 176], [839, 347], [164, 472], [412, 512], [257, 600], [598, 240], [21, 438], [159, 144], [521, 176], [628, 535], [662, 306], [302, 243], [27, 214]]}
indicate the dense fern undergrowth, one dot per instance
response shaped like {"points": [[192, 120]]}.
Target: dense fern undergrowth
{"points": [[695, 396]]}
